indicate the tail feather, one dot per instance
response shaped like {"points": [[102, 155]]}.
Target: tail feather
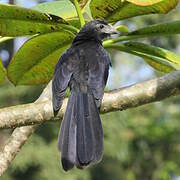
{"points": [[97, 132], [67, 136], [84, 131], [60, 138], [81, 134]]}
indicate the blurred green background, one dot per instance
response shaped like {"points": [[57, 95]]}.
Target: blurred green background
{"points": [[140, 144]]}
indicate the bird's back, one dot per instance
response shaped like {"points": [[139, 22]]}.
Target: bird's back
{"points": [[92, 62]]}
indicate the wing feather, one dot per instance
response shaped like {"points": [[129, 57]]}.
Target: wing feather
{"points": [[98, 77], [62, 76]]}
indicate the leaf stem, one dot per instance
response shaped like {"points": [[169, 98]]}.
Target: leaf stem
{"points": [[2, 39], [121, 38], [126, 49], [119, 47], [78, 10], [145, 56]]}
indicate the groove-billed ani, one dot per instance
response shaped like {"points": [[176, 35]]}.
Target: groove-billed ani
{"points": [[84, 68]]}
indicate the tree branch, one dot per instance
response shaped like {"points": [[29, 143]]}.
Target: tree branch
{"points": [[16, 141], [19, 137], [129, 97], [40, 111]]}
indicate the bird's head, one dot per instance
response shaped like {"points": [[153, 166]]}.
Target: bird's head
{"points": [[96, 30], [99, 28]]}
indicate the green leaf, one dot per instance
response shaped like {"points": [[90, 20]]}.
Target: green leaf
{"points": [[163, 29], [18, 21], [63, 8], [35, 61], [154, 51], [115, 10], [144, 2], [157, 63], [169, 28], [2, 72]]}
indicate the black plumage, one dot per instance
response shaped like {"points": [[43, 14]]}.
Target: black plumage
{"points": [[84, 68]]}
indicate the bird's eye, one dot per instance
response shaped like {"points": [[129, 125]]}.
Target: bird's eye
{"points": [[101, 26]]}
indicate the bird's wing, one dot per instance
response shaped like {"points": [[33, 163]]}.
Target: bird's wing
{"points": [[62, 76], [98, 78]]}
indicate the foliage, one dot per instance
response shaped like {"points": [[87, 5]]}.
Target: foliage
{"points": [[60, 19], [114, 10], [18, 21], [42, 53]]}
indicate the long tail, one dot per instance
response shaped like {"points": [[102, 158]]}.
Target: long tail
{"points": [[81, 135]]}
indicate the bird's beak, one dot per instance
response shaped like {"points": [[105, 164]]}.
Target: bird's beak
{"points": [[113, 30]]}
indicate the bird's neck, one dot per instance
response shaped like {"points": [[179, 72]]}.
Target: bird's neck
{"points": [[85, 38]]}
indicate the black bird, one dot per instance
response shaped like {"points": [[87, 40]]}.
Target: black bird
{"points": [[84, 68]]}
